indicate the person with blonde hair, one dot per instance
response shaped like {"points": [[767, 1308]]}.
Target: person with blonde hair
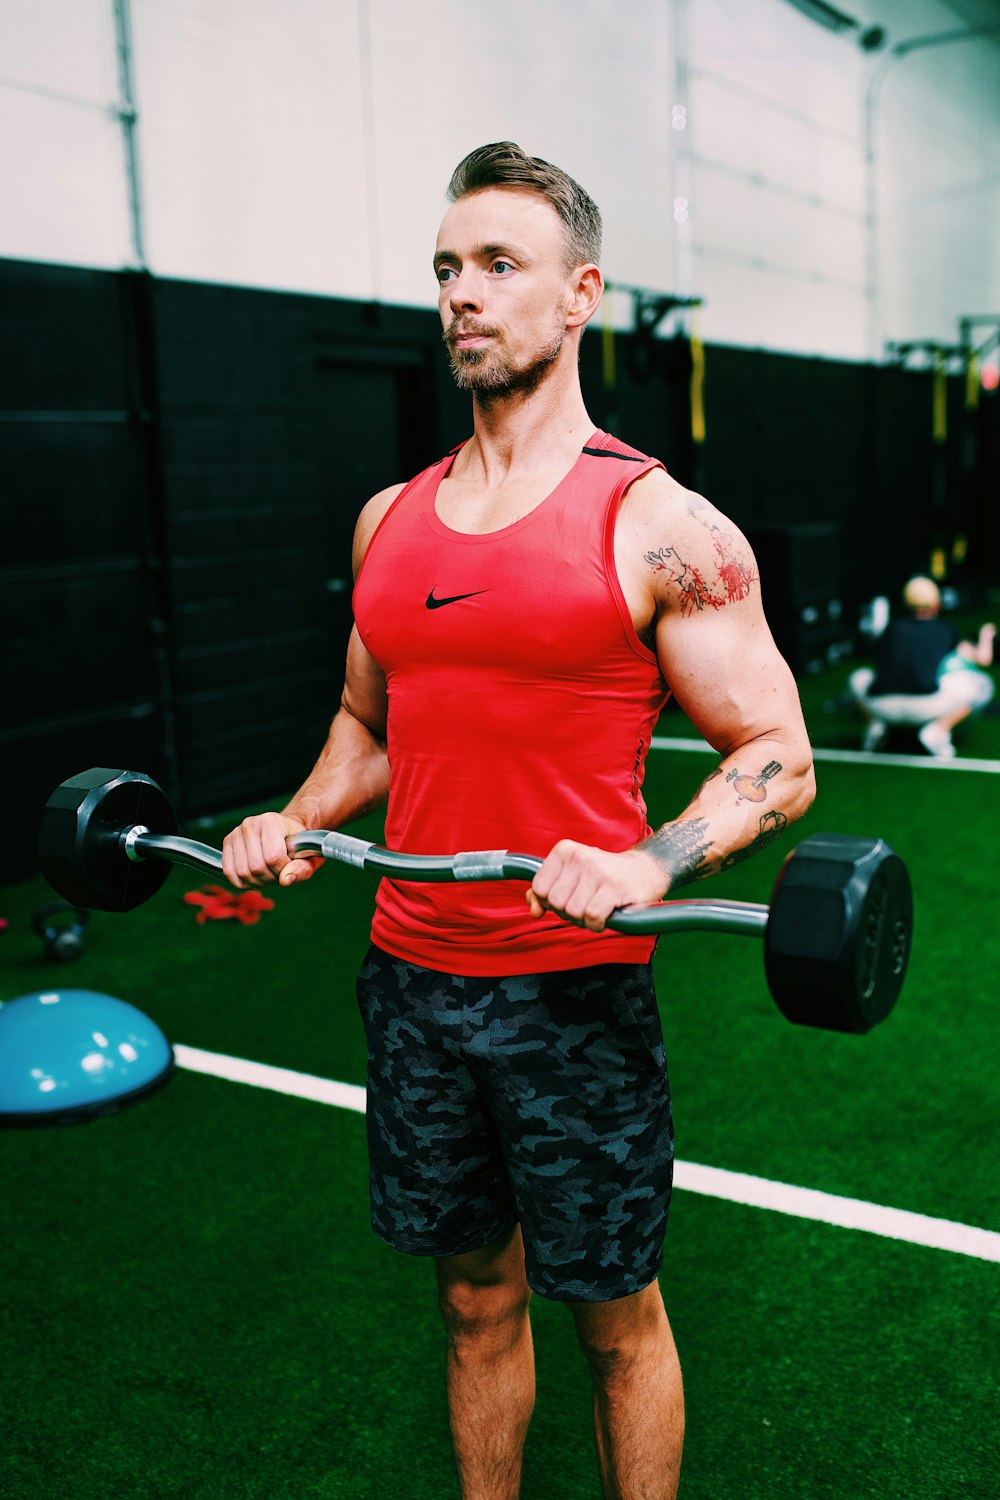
{"points": [[925, 677]]}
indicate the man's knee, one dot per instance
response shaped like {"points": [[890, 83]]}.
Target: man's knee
{"points": [[470, 1310], [484, 1291], [615, 1336], [610, 1360]]}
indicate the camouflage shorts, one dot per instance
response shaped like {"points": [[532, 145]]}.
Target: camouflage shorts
{"points": [[542, 1099]]}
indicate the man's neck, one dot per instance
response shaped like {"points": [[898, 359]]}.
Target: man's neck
{"points": [[523, 434]]}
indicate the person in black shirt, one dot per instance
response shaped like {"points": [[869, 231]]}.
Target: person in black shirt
{"points": [[924, 676]]}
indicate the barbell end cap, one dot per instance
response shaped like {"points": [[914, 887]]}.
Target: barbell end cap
{"points": [[129, 841]]}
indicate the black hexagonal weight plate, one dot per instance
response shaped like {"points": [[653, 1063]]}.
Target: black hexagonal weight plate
{"points": [[80, 838]]}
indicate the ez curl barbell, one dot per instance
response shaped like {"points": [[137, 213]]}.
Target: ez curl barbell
{"points": [[837, 933]]}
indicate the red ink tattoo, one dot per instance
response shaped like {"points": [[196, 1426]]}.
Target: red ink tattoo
{"points": [[734, 575]]}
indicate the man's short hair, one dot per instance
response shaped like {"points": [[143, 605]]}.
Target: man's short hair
{"points": [[503, 164]]}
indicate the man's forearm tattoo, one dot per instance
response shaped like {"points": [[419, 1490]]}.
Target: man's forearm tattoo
{"points": [[771, 825], [753, 788], [681, 849]]}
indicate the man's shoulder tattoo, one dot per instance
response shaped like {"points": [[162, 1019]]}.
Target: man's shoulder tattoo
{"points": [[727, 580]]}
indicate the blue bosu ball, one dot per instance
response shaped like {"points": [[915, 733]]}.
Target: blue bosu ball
{"points": [[69, 1054]]}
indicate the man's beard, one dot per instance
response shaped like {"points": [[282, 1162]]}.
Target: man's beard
{"points": [[491, 374]]}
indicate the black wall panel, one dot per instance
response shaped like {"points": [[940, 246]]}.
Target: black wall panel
{"points": [[182, 465], [279, 416], [898, 521], [78, 662], [786, 441], [63, 335], [802, 579]]}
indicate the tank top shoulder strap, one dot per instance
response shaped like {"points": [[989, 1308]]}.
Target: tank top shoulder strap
{"points": [[626, 465], [604, 445]]}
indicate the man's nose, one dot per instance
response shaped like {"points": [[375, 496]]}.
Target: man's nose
{"points": [[465, 293]]}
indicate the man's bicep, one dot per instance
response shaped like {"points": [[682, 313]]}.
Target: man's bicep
{"points": [[727, 674], [364, 696]]}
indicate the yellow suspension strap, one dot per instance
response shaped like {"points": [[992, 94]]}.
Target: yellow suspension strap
{"points": [[972, 383], [609, 370], [939, 422], [697, 386]]}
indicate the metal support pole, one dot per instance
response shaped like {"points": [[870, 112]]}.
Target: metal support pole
{"points": [[127, 115]]}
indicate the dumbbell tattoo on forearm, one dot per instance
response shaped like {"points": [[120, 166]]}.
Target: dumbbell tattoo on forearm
{"points": [[753, 788], [836, 936]]}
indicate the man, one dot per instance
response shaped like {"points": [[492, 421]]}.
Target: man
{"points": [[926, 678], [521, 608]]}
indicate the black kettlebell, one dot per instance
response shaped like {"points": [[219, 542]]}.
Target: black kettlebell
{"points": [[63, 939]]}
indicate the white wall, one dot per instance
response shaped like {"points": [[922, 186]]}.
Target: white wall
{"points": [[62, 169], [306, 144], [777, 182], [939, 199], [312, 141]]}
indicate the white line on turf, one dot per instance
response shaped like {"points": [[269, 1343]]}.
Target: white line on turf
{"points": [[846, 1213], [713, 1182], [278, 1080], [850, 757]]}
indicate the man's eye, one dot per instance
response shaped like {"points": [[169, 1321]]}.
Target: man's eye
{"points": [[445, 273], [502, 265]]}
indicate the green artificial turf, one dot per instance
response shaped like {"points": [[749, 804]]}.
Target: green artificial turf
{"points": [[196, 1307]]}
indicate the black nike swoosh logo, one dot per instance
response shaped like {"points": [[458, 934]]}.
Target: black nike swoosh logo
{"points": [[433, 603]]}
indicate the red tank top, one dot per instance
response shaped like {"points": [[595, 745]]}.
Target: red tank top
{"points": [[521, 705]]}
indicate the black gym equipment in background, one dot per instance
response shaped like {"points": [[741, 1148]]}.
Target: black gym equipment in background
{"points": [[61, 925]]}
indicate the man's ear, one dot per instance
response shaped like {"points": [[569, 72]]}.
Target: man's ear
{"points": [[586, 291]]}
